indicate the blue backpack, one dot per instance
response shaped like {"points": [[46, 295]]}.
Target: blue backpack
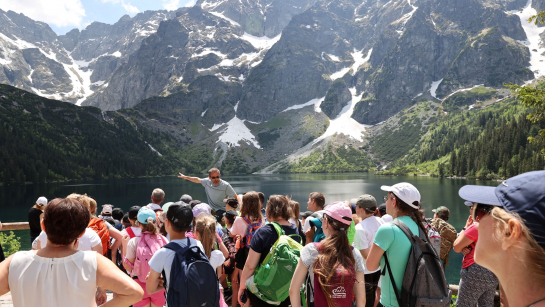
{"points": [[191, 276]]}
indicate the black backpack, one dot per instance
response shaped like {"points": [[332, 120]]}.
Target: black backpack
{"points": [[193, 282], [424, 282]]}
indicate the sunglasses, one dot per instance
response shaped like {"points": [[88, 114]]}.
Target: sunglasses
{"points": [[479, 211], [215, 177]]}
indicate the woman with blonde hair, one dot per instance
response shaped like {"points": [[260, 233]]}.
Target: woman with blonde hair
{"points": [[205, 231], [139, 250], [512, 235]]}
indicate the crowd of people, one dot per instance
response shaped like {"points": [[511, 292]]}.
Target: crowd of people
{"points": [[244, 249]]}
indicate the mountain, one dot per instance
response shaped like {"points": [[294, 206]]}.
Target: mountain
{"points": [[273, 85], [69, 67]]}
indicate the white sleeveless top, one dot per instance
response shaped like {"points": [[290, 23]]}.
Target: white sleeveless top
{"points": [[36, 281]]}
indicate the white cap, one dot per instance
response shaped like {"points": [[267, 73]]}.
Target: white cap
{"points": [[406, 192], [42, 201], [107, 209]]}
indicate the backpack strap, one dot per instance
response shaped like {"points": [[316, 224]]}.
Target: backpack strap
{"points": [[391, 278], [278, 229]]}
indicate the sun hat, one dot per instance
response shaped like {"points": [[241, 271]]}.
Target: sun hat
{"points": [[339, 211], [442, 212], [42, 201], [200, 209], [180, 214], [146, 215], [468, 203], [406, 192], [167, 205], [367, 202], [186, 198], [523, 194], [133, 212]]}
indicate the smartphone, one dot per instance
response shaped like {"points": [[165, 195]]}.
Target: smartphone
{"points": [[244, 297]]}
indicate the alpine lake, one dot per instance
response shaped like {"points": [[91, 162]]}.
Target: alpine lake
{"points": [[16, 200]]}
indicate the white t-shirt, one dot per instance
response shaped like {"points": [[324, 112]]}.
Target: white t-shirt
{"points": [[162, 259], [387, 218], [307, 220], [216, 259], [365, 233], [137, 231], [89, 240]]}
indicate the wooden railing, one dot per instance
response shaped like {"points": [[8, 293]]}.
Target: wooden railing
{"points": [[15, 226]]}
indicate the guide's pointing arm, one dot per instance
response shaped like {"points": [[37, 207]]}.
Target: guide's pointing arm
{"points": [[192, 179]]}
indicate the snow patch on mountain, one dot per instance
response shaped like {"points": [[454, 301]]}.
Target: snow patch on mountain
{"points": [[235, 132], [358, 61], [313, 102], [262, 42], [533, 42], [433, 88], [220, 15], [344, 123]]}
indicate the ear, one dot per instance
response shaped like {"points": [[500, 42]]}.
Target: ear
{"points": [[511, 234], [42, 224]]}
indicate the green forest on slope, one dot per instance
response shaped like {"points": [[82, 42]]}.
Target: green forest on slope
{"points": [[489, 143], [44, 140]]}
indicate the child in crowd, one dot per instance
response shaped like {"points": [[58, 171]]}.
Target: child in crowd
{"points": [[205, 232], [117, 215], [138, 251], [178, 223], [229, 264], [336, 270]]}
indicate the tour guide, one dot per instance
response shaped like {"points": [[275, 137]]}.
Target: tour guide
{"points": [[216, 190]]}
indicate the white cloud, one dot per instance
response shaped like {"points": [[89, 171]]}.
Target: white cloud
{"points": [[171, 5], [190, 3], [129, 8], [60, 13]]}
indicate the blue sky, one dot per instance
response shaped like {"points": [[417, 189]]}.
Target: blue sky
{"points": [[65, 15]]}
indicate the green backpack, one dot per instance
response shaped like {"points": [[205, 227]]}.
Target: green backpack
{"points": [[271, 280]]}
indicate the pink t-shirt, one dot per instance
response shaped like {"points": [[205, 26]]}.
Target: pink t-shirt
{"points": [[471, 233]]}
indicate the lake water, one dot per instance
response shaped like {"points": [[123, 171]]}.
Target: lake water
{"points": [[15, 201]]}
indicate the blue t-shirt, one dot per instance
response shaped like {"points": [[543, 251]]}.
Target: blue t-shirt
{"points": [[397, 247], [217, 193], [264, 238]]}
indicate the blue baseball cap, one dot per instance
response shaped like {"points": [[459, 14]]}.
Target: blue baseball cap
{"points": [[523, 194], [146, 215]]}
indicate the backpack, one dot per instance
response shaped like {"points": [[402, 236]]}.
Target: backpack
{"points": [[252, 227], [343, 288], [99, 226], [147, 246], [231, 248], [434, 238], [271, 280], [424, 282], [191, 276], [448, 236]]}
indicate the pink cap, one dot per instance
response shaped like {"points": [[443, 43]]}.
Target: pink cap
{"points": [[340, 212]]}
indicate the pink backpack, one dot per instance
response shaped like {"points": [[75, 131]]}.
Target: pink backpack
{"points": [[147, 246]]}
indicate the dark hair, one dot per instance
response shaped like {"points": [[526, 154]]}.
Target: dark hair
{"points": [[261, 197], [213, 170], [318, 198], [117, 213], [278, 207], [65, 220], [250, 207], [413, 213], [230, 219], [335, 252], [194, 202], [126, 221]]}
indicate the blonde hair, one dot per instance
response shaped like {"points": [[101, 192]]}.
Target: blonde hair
{"points": [[89, 202], [205, 225], [534, 253]]}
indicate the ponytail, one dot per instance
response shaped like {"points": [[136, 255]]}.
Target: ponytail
{"points": [[413, 213], [150, 226], [205, 225], [335, 252]]}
